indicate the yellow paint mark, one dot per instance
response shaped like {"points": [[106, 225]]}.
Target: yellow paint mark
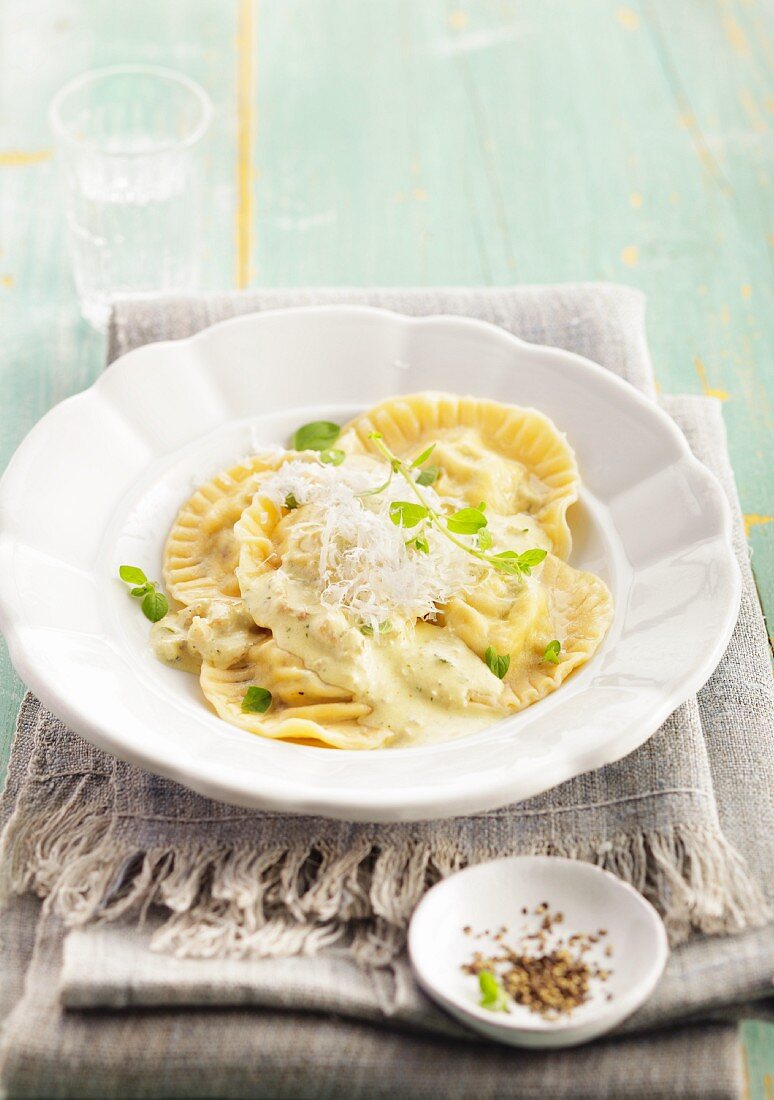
{"points": [[768, 1087], [752, 520], [753, 111], [735, 36], [725, 315], [6, 280], [708, 390], [745, 1073], [687, 119], [458, 20], [630, 255], [746, 290], [770, 238], [245, 127], [17, 158], [703, 289], [420, 194], [628, 18], [635, 200], [674, 198]]}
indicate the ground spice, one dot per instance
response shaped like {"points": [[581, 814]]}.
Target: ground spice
{"points": [[543, 972]]}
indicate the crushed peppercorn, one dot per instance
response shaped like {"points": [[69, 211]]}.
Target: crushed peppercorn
{"points": [[542, 971]]}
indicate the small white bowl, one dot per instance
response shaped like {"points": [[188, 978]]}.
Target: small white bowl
{"points": [[488, 896]]}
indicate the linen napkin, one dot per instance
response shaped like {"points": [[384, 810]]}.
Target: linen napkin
{"points": [[99, 838]]}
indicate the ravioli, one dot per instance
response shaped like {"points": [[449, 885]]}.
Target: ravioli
{"points": [[515, 459], [521, 620], [310, 711], [377, 601], [201, 553]]}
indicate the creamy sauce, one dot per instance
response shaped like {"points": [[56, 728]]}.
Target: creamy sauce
{"points": [[418, 680], [218, 631]]}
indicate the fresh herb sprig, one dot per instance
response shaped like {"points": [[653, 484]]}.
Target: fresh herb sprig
{"points": [[467, 521], [498, 663], [332, 456], [257, 700], [154, 603], [551, 655], [429, 475], [320, 435], [384, 628], [493, 996]]}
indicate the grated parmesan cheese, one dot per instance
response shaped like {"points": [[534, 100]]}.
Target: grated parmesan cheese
{"points": [[363, 564]]}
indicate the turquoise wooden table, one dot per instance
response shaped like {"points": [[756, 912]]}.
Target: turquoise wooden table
{"points": [[393, 142]]}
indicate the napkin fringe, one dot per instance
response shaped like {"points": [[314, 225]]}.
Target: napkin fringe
{"points": [[297, 899]]}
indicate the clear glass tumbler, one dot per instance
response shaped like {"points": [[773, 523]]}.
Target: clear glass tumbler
{"points": [[129, 143]]}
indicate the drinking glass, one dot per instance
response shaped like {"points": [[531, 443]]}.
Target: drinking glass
{"points": [[129, 140]]}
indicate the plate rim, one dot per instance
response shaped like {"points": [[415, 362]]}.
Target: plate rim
{"points": [[371, 806]]}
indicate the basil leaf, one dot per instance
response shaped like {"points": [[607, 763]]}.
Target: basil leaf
{"points": [[257, 700], [132, 575], [143, 590], [332, 457], [498, 663], [484, 540], [428, 475], [155, 606], [423, 457], [316, 436], [404, 513], [420, 543], [291, 502], [466, 522], [493, 996], [551, 654]]}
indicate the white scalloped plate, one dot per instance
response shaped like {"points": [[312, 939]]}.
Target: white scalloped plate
{"points": [[99, 479]]}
